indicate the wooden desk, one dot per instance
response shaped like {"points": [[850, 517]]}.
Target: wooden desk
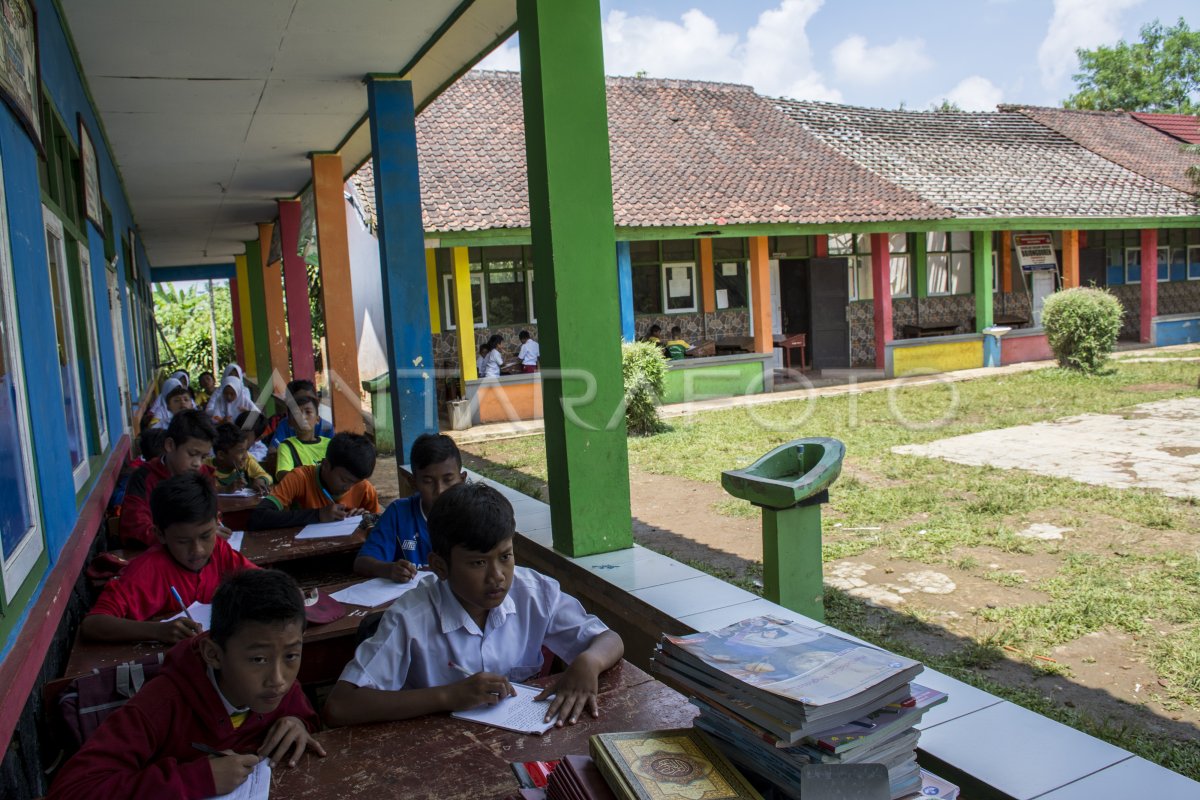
{"points": [[796, 341], [227, 504], [441, 758], [277, 545], [923, 330]]}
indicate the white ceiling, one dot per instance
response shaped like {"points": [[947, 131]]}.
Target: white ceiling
{"points": [[211, 108]]}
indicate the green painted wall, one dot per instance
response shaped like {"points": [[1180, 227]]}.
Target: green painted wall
{"points": [[718, 380]]}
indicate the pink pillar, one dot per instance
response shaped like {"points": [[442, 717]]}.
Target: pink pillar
{"points": [[295, 283], [881, 286], [1149, 283], [238, 349], [821, 245]]}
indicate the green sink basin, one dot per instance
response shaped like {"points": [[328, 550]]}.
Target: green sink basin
{"points": [[793, 474]]}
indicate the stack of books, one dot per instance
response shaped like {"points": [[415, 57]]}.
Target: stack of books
{"points": [[776, 696]]}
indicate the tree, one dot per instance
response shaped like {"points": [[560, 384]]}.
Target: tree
{"points": [[1160, 73], [185, 319]]}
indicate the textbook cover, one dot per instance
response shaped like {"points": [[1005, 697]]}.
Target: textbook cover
{"points": [[880, 724], [667, 765]]}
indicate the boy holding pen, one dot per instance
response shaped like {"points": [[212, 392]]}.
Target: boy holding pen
{"points": [[484, 616], [222, 703], [185, 566], [399, 542], [333, 489]]}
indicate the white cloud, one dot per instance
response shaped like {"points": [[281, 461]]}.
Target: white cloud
{"points": [[857, 62], [774, 56], [975, 93], [1078, 24]]}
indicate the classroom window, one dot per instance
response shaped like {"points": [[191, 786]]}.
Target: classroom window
{"points": [[1133, 264], [477, 304], [507, 297], [88, 300], [68, 355], [20, 530], [731, 280], [647, 289], [679, 287], [948, 262], [858, 266], [1193, 262]]}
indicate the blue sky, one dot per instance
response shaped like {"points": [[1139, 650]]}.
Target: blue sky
{"points": [[872, 53]]}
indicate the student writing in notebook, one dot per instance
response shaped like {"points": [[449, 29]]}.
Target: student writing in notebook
{"points": [[333, 489], [190, 557], [232, 691], [483, 615], [399, 542]]}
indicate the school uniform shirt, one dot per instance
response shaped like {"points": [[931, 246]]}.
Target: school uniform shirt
{"points": [[144, 748], [250, 474], [143, 589], [530, 352], [284, 430], [302, 489], [427, 628], [135, 519], [295, 453], [258, 451], [402, 532], [492, 363]]}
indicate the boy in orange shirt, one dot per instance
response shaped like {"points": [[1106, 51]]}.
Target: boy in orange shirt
{"points": [[334, 489]]}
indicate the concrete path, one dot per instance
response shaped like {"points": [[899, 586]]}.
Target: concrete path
{"points": [[1151, 446]]}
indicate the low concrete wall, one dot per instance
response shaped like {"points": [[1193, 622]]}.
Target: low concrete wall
{"points": [[1026, 344], [1176, 329], [509, 398], [934, 354], [719, 376]]}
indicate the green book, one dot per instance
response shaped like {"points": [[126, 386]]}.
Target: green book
{"points": [[667, 765]]}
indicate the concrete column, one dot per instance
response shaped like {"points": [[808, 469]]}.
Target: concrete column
{"points": [[760, 295], [276, 322], [260, 367], [431, 286], [464, 316], [1006, 261], [295, 283], [337, 296], [247, 318], [1070, 256], [708, 297], [981, 248], [1149, 307], [881, 288], [625, 292]]}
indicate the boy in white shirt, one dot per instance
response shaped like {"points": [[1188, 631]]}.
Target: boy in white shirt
{"points": [[483, 616], [530, 353]]}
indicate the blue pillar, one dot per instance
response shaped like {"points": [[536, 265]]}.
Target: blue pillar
{"points": [[625, 291], [402, 260]]}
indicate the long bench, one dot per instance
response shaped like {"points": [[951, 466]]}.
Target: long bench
{"points": [[992, 747]]}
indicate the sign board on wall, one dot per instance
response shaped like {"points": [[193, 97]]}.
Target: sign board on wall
{"points": [[1035, 251]]}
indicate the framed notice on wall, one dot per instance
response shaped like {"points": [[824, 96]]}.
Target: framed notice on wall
{"points": [[90, 166], [20, 81]]}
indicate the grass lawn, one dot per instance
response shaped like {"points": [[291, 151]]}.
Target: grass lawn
{"points": [[1132, 572]]}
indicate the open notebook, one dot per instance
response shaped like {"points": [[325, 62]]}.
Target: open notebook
{"points": [[521, 713]]}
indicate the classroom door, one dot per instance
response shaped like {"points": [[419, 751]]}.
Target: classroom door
{"points": [[793, 297], [828, 301], [1093, 268]]}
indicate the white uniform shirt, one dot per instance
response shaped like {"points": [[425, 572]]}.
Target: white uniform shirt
{"points": [[492, 363], [530, 353], [427, 628]]}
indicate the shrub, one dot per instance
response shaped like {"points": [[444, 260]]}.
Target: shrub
{"points": [[644, 370], [1082, 326]]}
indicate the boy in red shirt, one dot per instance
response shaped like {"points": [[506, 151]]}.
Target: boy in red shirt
{"points": [[334, 489], [190, 438], [232, 691], [190, 556]]}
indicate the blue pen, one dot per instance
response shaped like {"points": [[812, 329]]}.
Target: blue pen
{"points": [[178, 599]]}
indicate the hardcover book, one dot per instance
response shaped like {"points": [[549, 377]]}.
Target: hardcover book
{"points": [[668, 765]]}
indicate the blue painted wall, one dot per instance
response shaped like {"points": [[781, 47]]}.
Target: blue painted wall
{"points": [[1177, 331]]}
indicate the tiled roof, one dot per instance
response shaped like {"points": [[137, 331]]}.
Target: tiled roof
{"points": [[684, 153], [987, 165], [1184, 127], [1117, 136]]}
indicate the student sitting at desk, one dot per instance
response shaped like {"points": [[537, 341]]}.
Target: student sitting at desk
{"points": [[334, 489], [485, 617], [307, 446], [190, 558], [399, 543], [189, 440], [285, 429], [233, 466], [677, 348], [222, 703], [172, 399]]}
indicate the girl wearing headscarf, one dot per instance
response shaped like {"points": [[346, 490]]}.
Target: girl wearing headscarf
{"points": [[234, 369], [229, 400], [173, 398]]}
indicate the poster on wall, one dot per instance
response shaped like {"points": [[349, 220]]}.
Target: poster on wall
{"points": [[19, 77], [91, 176]]}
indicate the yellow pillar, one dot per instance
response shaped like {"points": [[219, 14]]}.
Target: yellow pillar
{"points": [[277, 337], [431, 281], [707, 295], [243, 285], [464, 316], [1070, 251], [760, 295]]}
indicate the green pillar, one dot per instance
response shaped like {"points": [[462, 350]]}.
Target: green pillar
{"points": [[921, 257], [258, 316], [579, 323], [792, 568], [981, 250]]}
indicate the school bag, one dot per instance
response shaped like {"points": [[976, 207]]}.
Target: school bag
{"points": [[88, 699]]}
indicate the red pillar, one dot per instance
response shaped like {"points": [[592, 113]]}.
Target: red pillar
{"points": [[237, 324], [820, 246], [1149, 283], [295, 287], [881, 286]]}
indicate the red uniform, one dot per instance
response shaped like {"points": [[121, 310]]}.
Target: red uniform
{"points": [[143, 589], [136, 521], [145, 748]]}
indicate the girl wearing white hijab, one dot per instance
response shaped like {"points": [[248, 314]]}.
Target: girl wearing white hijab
{"points": [[236, 371], [230, 399], [167, 406]]}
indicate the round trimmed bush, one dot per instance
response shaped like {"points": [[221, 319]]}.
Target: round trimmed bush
{"points": [[1082, 326], [645, 371]]}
